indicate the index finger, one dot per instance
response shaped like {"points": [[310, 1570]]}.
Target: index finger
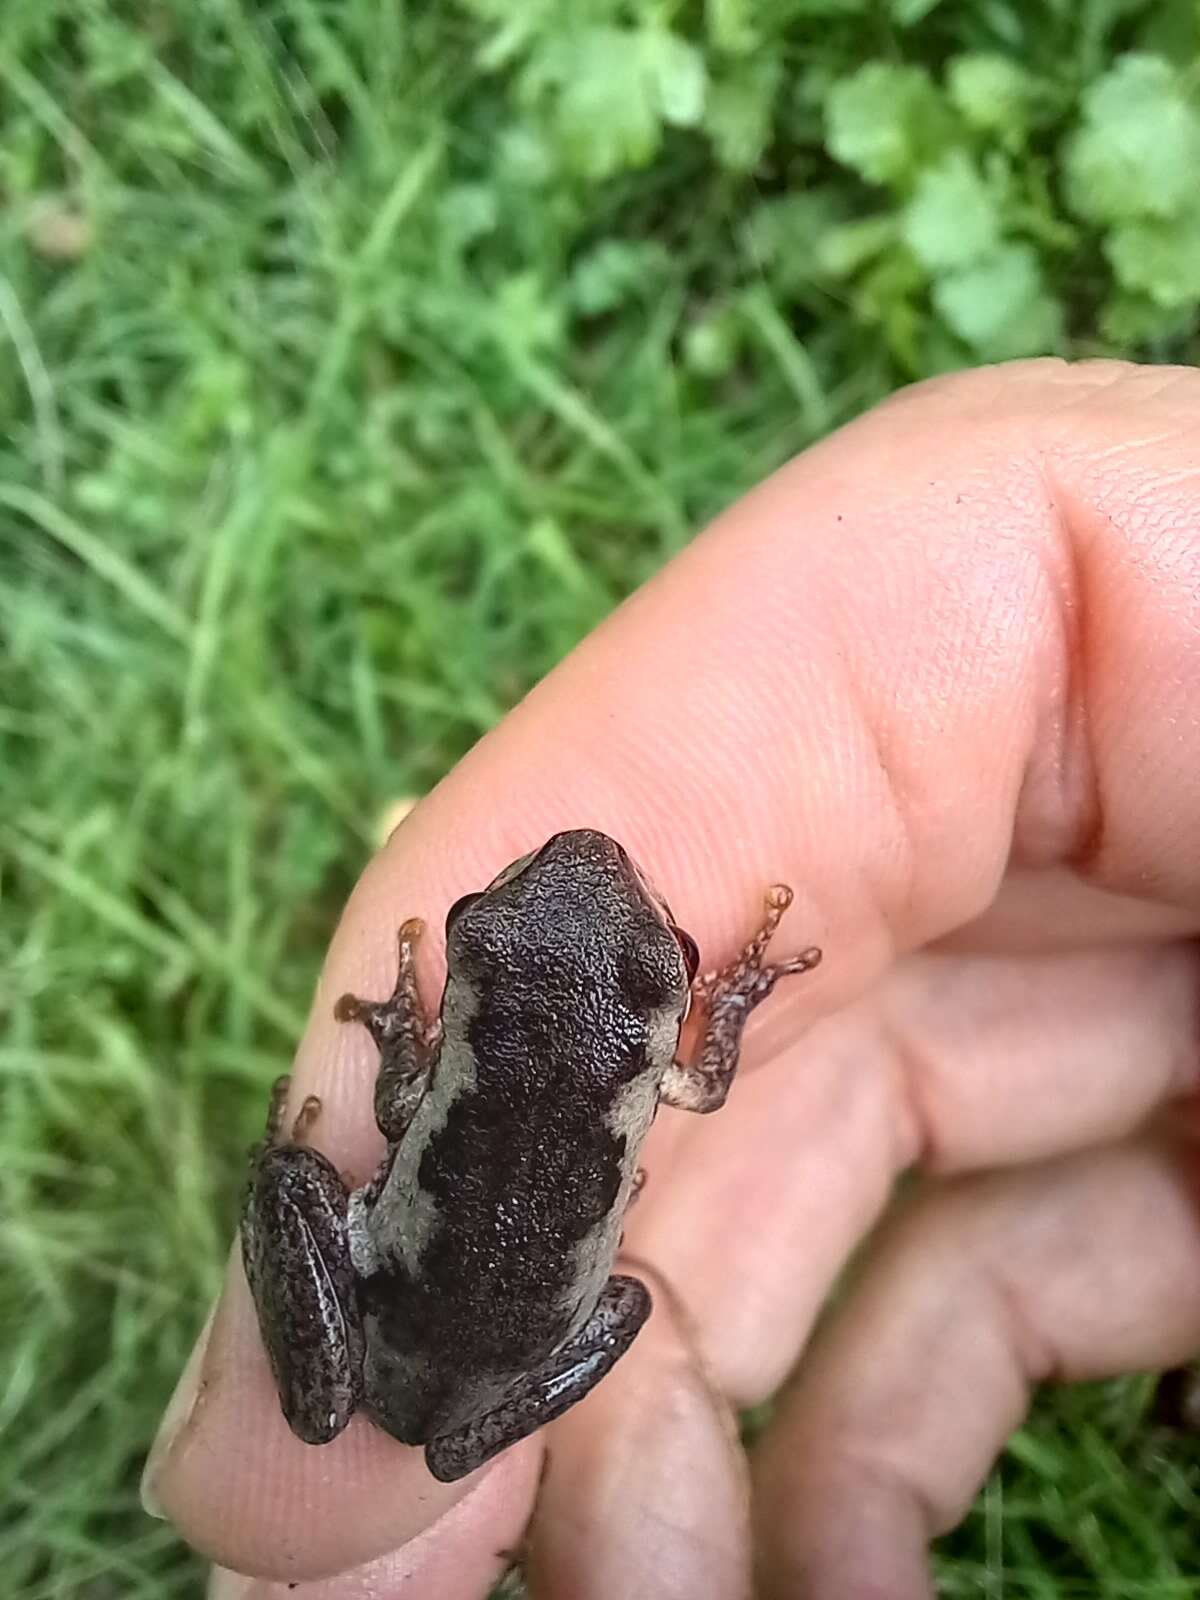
{"points": [[958, 634]]}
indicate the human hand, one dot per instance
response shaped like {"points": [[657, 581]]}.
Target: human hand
{"points": [[939, 674]]}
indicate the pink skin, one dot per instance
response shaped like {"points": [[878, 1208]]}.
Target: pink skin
{"points": [[940, 675]]}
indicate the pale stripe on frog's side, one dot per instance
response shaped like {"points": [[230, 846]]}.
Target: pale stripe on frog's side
{"points": [[629, 1119], [401, 1211]]}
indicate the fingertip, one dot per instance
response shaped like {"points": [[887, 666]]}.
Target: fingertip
{"points": [[175, 1421], [244, 1491], [461, 1557]]}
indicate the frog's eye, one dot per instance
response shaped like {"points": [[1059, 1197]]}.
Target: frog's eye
{"points": [[459, 907], [691, 952], [513, 869]]}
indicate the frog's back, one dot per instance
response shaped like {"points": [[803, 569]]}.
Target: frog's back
{"points": [[506, 1198], [497, 1227]]}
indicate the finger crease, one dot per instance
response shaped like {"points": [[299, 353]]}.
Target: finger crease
{"points": [[887, 1481], [918, 1137], [1035, 1356], [1073, 758]]}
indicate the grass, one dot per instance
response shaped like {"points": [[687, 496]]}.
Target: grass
{"points": [[330, 334]]}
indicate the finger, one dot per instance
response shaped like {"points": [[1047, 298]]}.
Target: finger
{"points": [[1056, 909], [663, 1508], [955, 1063], [908, 687], [1074, 1269], [1011, 1059], [894, 701], [459, 1558]]}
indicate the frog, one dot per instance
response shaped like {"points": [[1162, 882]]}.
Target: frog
{"points": [[465, 1295]]}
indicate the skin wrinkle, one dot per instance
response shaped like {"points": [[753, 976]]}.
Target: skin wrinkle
{"points": [[1082, 846], [1189, 1051], [887, 1480], [1090, 510], [960, 595], [1121, 512], [1149, 382], [918, 1143], [1036, 1359], [1073, 837], [868, 1569]]}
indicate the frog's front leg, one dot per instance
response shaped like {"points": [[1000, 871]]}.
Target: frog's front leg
{"points": [[728, 997], [407, 1041], [574, 1369], [297, 1259]]}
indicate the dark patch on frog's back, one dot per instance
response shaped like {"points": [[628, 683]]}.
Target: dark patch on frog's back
{"points": [[520, 1173], [558, 1030], [525, 1167]]}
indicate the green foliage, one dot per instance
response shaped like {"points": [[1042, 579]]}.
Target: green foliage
{"points": [[1010, 162], [993, 95], [886, 122], [999, 303], [354, 361], [1130, 169], [1159, 257], [1136, 150], [954, 218], [608, 93], [1073, 1471]]}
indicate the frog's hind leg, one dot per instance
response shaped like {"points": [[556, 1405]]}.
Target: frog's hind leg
{"points": [[572, 1371], [296, 1253], [407, 1040]]}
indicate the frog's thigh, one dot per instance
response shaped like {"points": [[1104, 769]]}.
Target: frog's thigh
{"points": [[574, 1369], [297, 1257]]}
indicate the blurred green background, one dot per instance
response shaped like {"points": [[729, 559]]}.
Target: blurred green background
{"points": [[356, 358]]}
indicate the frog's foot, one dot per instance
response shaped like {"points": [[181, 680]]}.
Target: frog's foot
{"points": [[405, 1037], [728, 997], [279, 1093], [296, 1253], [571, 1372], [400, 1015]]}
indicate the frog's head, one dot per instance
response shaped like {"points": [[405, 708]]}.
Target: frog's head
{"points": [[580, 898]]}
